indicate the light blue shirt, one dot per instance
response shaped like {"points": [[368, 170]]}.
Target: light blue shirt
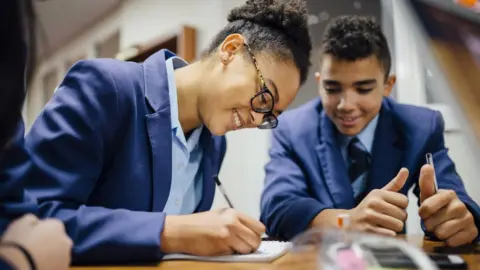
{"points": [[365, 137], [187, 182]]}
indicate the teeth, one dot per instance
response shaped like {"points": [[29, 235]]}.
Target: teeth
{"points": [[236, 119]]}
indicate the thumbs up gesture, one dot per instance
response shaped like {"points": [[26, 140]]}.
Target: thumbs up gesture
{"points": [[383, 211], [443, 213]]}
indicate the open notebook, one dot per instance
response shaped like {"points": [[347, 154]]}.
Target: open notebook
{"points": [[268, 251]]}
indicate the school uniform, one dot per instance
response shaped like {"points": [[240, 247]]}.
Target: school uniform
{"points": [[310, 168], [14, 200], [110, 159]]}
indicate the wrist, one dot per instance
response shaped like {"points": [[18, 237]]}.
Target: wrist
{"points": [[14, 257], [328, 218], [170, 238]]}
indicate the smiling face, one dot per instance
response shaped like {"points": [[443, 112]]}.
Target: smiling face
{"points": [[227, 106], [352, 91]]}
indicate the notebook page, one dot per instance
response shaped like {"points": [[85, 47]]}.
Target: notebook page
{"points": [[268, 251]]}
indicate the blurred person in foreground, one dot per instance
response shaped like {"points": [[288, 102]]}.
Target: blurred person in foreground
{"points": [[22, 244]]}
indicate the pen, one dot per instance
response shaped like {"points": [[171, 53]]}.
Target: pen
{"points": [[429, 158], [219, 184]]}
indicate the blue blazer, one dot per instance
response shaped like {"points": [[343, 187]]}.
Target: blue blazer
{"points": [[102, 159], [14, 201], [307, 173]]}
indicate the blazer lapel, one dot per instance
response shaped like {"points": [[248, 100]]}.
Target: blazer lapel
{"points": [[159, 126], [333, 166], [387, 151], [208, 162]]}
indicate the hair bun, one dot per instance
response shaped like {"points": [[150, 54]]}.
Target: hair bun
{"points": [[285, 15]]}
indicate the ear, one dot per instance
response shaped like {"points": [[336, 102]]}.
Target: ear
{"points": [[230, 46], [389, 85]]}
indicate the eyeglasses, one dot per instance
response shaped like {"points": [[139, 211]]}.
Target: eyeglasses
{"points": [[262, 102]]}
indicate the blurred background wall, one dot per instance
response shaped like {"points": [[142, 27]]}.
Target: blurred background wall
{"points": [[72, 30]]}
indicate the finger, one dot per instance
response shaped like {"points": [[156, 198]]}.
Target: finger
{"points": [[426, 182], [248, 236], [384, 221], [386, 208], [433, 204], [379, 230], [452, 211], [463, 237], [395, 198], [397, 183], [251, 223], [29, 219], [449, 228], [239, 245]]}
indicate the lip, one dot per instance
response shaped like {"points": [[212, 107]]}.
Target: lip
{"points": [[348, 121]]}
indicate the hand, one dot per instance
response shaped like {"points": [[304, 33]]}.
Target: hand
{"points": [[218, 232], [382, 211], [46, 241], [443, 213]]}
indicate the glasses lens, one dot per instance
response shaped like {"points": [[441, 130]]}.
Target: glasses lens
{"points": [[262, 102], [269, 122]]}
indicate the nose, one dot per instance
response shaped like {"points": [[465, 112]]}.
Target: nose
{"points": [[256, 119], [347, 102]]}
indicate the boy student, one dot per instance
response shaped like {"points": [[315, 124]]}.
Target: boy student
{"points": [[357, 151]]}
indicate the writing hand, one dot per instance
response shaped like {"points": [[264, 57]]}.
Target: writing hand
{"points": [[217, 232]]}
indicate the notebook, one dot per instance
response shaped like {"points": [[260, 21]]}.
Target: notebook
{"points": [[267, 252]]}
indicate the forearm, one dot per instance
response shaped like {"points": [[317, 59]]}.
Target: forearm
{"points": [[103, 235], [327, 218], [14, 258]]}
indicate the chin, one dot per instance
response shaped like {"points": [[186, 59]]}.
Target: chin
{"points": [[349, 131]]}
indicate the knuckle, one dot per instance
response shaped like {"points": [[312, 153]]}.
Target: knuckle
{"points": [[223, 234], [369, 215], [451, 193], [441, 233]]}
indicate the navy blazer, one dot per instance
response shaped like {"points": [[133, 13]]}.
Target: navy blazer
{"points": [[307, 174], [14, 201], [102, 159]]}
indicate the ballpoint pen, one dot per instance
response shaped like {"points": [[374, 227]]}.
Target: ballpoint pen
{"points": [[429, 158], [219, 184]]}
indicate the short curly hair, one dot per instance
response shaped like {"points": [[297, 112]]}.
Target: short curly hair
{"points": [[277, 27], [355, 37]]}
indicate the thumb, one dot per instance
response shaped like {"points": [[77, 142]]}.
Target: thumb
{"points": [[397, 183], [426, 182]]}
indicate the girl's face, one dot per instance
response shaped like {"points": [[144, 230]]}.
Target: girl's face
{"points": [[229, 105]]}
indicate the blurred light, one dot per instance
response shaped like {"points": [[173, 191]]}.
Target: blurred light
{"points": [[324, 16], [312, 19], [357, 5]]}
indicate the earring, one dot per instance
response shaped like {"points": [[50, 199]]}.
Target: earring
{"points": [[224, 59]]}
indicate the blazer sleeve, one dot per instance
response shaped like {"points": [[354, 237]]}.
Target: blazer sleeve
{"points": [[447, 176], [69, 144], [287, 208], [5, 266], [14, 201]]}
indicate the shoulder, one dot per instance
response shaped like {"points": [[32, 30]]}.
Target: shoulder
{"points": [[299, 122], [415, 119]]}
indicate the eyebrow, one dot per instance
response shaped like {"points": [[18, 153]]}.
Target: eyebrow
{"points": [[275, 91], [357, 83]]}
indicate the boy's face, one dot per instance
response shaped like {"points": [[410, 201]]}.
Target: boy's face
{"points": [[352, 91]]}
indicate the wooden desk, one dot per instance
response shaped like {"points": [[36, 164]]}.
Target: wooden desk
{"points": [[288, 261]]}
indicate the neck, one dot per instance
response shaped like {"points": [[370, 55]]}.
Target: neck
{"points": [[188, 89]]}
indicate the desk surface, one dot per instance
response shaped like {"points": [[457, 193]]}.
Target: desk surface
{"points": [[288, 261]]}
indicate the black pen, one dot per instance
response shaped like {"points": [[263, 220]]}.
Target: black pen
{"points": [[219, 184]]}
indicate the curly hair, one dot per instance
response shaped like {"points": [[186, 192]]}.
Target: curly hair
{"points": [[277, 27], [355, 37]]}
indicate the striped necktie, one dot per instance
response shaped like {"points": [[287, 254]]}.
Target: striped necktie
{"points": [[359, 159]]}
